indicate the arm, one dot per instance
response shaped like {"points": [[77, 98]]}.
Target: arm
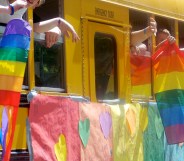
{"points": [[18, 4], [138, 37], [5, 9], [63, 25], [45, 26]]}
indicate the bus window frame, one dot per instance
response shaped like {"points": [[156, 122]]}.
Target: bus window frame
{"points": [[41, 37], [118, 32]]}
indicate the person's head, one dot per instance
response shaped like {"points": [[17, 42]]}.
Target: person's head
{"points": [[139, 49], [142, 48], [35, 3], [162, 34]]}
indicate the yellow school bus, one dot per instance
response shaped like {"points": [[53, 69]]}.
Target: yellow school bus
{"points": [[98, 66]]}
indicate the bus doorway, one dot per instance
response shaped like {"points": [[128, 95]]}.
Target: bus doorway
{"points": [[107, 56]]}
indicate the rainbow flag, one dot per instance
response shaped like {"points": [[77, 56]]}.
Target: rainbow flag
{"points": [[140, 75], [168, 68], [14, 48]]}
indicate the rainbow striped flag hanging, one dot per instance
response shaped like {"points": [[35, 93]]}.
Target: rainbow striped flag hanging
{"points": [[14, 48], [168, 68], [140, 75]]}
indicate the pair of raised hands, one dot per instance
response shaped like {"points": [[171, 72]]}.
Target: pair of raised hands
{"points": [[153, 28]]}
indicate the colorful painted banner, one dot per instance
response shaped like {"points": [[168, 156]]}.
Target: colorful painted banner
{"points": [[67, 130], [140, 75], [168, 67], [54, 128], [14, 48], [135, 124], [98, 134], [153, 137], [118, 127]]}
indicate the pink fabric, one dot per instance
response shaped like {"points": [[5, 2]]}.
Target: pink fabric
{"points": [[98, 148], [51, 116]]}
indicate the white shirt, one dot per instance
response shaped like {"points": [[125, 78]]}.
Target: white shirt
{"points": [[5, 18]]}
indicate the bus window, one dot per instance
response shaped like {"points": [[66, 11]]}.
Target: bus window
{"points": [[139, 24], [140, 59], [165, 23], [105, 68], [49, 62], [48, 65], [181, 35]]}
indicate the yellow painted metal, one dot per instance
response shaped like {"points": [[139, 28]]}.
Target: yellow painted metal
{"points": [[169, 8], [108, 22], [73, 56], [104, 11], [19, 140], [31, 73], [176, 28], [153, 39], [85, 59], [127, 69], [91, 60]]}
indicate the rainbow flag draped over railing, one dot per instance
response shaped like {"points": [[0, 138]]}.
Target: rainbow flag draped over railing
{"points": [[140, 75], [14, 48], [168, 67]]}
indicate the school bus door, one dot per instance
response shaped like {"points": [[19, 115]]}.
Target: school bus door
{"points": [[104, 73]]}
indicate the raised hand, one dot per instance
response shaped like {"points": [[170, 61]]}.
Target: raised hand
{"points": [[153, 26], [171, 39], [18, 4]]}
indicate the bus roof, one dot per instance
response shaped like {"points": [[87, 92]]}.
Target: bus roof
{"points": [[170, 8]]}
